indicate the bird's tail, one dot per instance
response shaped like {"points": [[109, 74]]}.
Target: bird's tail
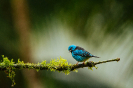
{"points": [[95, 56]]}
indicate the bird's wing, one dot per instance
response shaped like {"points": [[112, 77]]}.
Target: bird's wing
{"points": [[82, 53], [79, 48]]}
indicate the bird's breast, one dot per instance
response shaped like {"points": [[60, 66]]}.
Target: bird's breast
{"points": [[79, 58]]}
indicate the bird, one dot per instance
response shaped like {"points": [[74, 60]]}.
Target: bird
{"points": [[80, 54]]}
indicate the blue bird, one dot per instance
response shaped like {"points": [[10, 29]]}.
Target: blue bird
{"points": [[79, 53]]}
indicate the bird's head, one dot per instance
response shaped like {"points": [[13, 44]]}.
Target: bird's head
{"points": [[71, 48]]}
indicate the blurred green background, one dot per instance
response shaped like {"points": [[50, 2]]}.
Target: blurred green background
{"points": [[37, 30]]}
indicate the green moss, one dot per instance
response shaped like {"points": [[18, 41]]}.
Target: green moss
{"points": [[96, 67], [20, 62], [59, 62], [75, 70], [53, 65], [43, 63], [9, 68], [90, 68], [38, 65]]}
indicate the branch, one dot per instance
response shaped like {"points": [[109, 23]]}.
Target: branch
{"points": [[55, 65], [58, 68], [88, 64]]}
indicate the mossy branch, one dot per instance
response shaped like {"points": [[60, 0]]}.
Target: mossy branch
{"points": [[58, 68], [58, 64]]}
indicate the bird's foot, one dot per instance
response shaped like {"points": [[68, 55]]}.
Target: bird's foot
{"points": [[77, 63], [83, 63]]}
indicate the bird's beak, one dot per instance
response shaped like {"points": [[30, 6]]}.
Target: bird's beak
{"points": [[70, 50]]}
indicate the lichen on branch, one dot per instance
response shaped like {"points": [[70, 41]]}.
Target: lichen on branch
{"points": [[59, 64]]}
